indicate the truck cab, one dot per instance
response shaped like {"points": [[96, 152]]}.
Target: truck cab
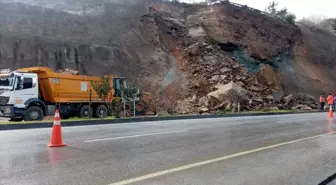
{"points": [[16, 91]]}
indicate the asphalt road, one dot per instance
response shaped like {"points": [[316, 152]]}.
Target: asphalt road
{"points": [[287, 149]]}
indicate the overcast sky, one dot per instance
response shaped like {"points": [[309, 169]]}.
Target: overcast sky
{"points": [[301, 8]]}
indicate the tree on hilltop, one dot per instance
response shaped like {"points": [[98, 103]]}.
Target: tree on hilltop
{"points": [[282, 14]]}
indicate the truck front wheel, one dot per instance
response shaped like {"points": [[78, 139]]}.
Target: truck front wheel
{"points": [[33, 114]]}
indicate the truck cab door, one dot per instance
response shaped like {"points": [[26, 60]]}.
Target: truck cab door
{"points": [[26, 88]]}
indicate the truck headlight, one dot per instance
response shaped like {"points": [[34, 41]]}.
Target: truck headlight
{"points": [[7, 110]]}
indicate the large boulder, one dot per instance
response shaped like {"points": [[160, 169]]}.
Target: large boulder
{"points": [[274, 108], [223, 90], [278, 96], [216, 78], [270, 98], [184, 107], [197, 32], [305, 99], [306, 107], [297, 107], [203, 110], [288, 99], [163, 113]]}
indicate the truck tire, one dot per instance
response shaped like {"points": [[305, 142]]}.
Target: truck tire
{"points": [[65, 116], [101, 111], [33, 114], [85, 112]]}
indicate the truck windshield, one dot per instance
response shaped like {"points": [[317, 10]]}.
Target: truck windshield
{"points": [[7, 81]]}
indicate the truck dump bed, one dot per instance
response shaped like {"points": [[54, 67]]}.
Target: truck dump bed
{"points": [[65, 88]]}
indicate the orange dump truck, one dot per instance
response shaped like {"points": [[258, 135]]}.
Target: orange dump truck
{"points": [[32, 93]]}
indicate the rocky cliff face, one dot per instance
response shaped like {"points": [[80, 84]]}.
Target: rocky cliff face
{"points": [[62, 36], [176, 51]]}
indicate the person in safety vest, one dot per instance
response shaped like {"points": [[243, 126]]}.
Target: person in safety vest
{"points": [[330, 101], [322, 102]]}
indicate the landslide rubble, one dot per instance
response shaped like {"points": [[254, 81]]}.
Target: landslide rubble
{"points": [[215, 70]]}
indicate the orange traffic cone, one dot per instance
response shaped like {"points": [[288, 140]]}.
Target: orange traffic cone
{"points": [[331, 113], [56, 135]]}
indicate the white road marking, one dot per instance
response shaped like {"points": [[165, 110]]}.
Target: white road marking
{"points": [[194, 165], [141, 135]]}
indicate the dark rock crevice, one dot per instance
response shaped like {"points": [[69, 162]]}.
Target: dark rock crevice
{"points": [[228, 47], [253, 62]]}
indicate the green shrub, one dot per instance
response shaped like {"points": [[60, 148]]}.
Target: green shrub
{"points": [[283, 14]]}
